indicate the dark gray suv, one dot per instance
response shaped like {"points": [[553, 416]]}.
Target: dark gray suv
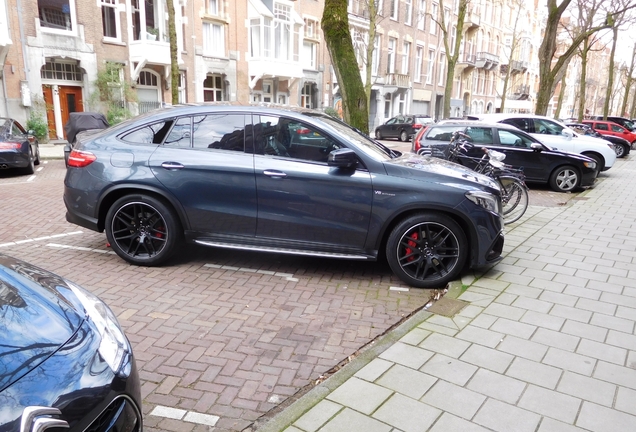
{"points": [[283, 181]]}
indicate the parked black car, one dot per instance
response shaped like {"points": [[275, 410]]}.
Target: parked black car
{"points": [[18, 148], [561, 170], [622, 147], [402, 127], [65, 364], [237, 177]]}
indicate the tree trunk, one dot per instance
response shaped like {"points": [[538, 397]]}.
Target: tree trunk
{"points": [[335, 26], [452, 59], [174, 65], [373, 16], [628, 83], [610, 72], [557, 111], [582, 79]]}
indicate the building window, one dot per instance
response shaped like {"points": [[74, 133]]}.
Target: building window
{"points": [[311, 29], [306, 96], [431, 64], [408, 20], [213, 7], [375, 59], [57, 14], [421, 15], [360, 47], [390, 65], [61, 71], [213, 88], [214, 39], [434, 18], [110, 18], [182, 88], [277, 38], [149, 20], [441, 77], [282, 31], [419, 56], [395, 7], [406, 52], [453, 39], [309, 55]]}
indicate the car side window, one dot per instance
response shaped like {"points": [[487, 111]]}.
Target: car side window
{"points": [[520, 123], [16, 130], [547, 127], [391, 121], [601, 126], [509, 138], [149, 134], [617, 128], [280, 136], [480, 135], [219, 131], [181, 134]]}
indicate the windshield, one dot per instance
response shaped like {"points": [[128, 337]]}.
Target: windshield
{"points": [[367, 145]]}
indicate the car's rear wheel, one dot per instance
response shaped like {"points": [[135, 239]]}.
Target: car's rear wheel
{"points": [[404, 136], [620, 150], [565, 179], [427, 250], [142, 230], [378, 134]]}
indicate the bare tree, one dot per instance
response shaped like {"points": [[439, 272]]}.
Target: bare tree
{"points": [[174, 65], [629, 71], [335, 26], [514, 44]]}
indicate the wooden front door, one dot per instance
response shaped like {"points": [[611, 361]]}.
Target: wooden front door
{"points": [[50, 110], [70, 101]]}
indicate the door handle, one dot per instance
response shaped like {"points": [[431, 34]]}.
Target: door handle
{"points": [[274, 173], [171, 165]]}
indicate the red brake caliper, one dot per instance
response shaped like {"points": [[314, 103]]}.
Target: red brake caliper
{"points": [[412, 244]]}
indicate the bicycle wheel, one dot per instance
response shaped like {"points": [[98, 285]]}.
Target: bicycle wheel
{"points": [[514, 198]]}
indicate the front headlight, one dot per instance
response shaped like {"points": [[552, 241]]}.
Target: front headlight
{"points": [[114, 344], [590, 164], [490, 202]]}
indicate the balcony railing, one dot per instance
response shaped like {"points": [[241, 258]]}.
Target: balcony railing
{"points": [[517, 66], [486, 60], [522, 89], [472, 21], [399, 80]]}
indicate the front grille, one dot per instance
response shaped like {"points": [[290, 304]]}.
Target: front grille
{"points": [[120, 416]]}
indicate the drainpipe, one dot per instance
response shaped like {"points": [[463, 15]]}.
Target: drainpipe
{"points": [[4, 92], [23, 43]]}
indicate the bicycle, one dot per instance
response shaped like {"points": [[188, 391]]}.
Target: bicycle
{"points": [[511, 180]]}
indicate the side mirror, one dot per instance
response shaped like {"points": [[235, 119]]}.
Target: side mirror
{"points": [[567, 133], [536, 147], [342, 158]]}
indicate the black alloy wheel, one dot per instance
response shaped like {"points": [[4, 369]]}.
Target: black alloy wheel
{"points": [[565, 179], [142, 230], [427, 250]]}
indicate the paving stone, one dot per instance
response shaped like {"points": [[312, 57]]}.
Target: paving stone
{"points": [[626, 400], [571, 313], [502, 417], [505, 298], [484, 321], [585, 331], [523, 348], [514, 328], [450, 423], [534, 372], [555, 339], [407, 381], [316, 417], [471, 311], [454, 399], [551, 425], [442, 321], [569, 361], [533, 304], [360, 395], [487, 358], [597, 418], [504, 311], [621, 339], [524, 292], [374, 369], [543, 320], [406, 414], [611, 322], [446, 345], [351, 421], [406, 355], [449, 369], [415, 336], [558, 298], [480, 336], [602, 351], [550, 403], [626, 312], [616, 374], [587, 388], [497, 386], [438, 328], [585, 293]]}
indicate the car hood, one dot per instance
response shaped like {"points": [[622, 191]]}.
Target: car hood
{"points": [[38, 314], [410, 165]]}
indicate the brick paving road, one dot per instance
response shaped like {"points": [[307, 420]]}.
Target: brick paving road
{"points": [[220, 337]]}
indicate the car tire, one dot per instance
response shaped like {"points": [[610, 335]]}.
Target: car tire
{"points": [[565, 179], [37, 155], [621, 150], [404, 136], [378, 134], [427, 250], [143, 230], [30, 168]]}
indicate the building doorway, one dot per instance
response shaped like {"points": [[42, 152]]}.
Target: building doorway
{"points": [[67, 99]]}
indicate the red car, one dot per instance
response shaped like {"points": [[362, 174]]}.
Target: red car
{"points": [[611, 128]]}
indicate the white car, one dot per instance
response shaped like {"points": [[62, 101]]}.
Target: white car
{"points": [[555, 134]]}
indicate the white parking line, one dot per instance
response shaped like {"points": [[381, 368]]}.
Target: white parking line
{"points": [[17, 242], [31, 178], [40, 169], [288, 276], [189, 416], [79, 248]]}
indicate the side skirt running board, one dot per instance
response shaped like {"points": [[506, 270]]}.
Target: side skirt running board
{"points": [[284, 250]]}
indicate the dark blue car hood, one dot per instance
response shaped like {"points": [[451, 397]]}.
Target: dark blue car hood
{"points": [[413, 166], [38, 314]]}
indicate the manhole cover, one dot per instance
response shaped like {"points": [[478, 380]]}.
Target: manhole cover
{"points": [[447, 307]]}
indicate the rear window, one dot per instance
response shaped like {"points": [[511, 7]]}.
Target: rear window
{"points": [[423, 120], [441, 133]]}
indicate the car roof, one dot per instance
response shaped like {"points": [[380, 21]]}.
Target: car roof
{"points": [[481, 123], [502, 116]]}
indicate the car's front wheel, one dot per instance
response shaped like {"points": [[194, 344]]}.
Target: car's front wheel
{"points": [[427, 250], [620, 150], [565, 179], [378, 134], [142, 230], [30, 168], [404, 136]]}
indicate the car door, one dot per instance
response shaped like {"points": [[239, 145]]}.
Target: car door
{"points": [[519, 153], [302, 201], [202, 162], [550, 134]]}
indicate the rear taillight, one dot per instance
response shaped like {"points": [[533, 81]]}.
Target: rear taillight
{"points": [[302, 131], [417, 126], [80, 159], [10, 145]]}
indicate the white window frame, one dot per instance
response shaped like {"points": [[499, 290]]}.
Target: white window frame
{"points": [[434, 13], [375, 59], [73, 23], [408, 19], [430, 66], [395, 9], [111, 4], [268, 91], [390, 65], [213, 7], [211, 45], [406, 53], [214, 88], [441, 73], [182, 91], [310, 50], [419, 57], [421, 15]]}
